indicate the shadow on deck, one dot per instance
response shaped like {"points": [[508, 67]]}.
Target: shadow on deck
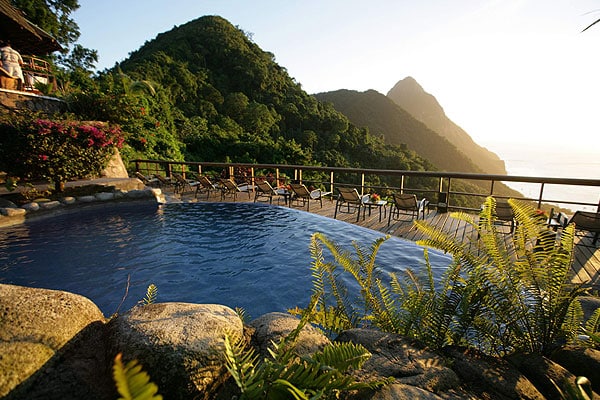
{"points": [[586, 265]]}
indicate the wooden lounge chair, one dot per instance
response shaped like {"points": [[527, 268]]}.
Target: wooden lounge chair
{"points": [[164, 182], [587, 221], [301, 193], [181, 183], [148, 181], [406, 204], [265, 190], [504, 212], [205, 186], [350, 199], [230, 188]]}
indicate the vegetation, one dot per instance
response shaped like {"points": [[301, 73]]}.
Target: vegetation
{"points": [[287, 375], [501, 294], [56, 151], [132, 382]]}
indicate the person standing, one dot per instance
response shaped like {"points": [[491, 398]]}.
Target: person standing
{"points": [[12, 61]]}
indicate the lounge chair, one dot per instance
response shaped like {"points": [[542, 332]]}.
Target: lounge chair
{"points": [[181, 183], [587, 221], [148, 181], [230, 188], [205, 186], [164, 182], [406, 204], [350, 199], [504, 212], [301, 193], [265, 190]]}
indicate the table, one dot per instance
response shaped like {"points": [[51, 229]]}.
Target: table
{"points": [[285, 193], [379, 204]]}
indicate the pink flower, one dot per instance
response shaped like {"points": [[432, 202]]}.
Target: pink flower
{"points": [[43, 157]]}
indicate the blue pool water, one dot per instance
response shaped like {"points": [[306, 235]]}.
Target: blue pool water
{"points": [[253, 256]]}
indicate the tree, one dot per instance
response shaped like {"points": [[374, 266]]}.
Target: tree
{"points": [[54, 16]]}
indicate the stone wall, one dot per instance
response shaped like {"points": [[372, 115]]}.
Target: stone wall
{"points": [[12, 99]]}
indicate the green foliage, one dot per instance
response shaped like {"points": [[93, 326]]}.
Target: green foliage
{"points": [[501, 294], [286, 375], [151, 294], [132, 382], [56, 150]]}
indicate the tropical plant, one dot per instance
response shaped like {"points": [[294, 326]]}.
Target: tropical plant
{"points": [[501, 294], [56, 150], [285, 374], [132, 382], [151, 295]]}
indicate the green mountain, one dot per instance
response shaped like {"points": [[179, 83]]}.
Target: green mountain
{"points": [[409, 95], [398, 127], [225, 99]]}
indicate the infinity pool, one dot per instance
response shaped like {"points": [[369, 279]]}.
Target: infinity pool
{"points": [[253, 256]]}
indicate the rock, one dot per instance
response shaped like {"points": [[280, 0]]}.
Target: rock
{"points": [[115, 168], [274, 326], [580, 361], [13, 212], [33, 206], [68, 200], [104, 196], [49, 205], [37, 325], [86, 199], [7, 203], [396, 356], [399, 391], [551, 379], [180, 345], [490, 377]]}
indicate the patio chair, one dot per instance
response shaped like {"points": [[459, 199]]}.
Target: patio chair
{"points": [[587, 221], [265, 190], [205, 186], [230, 188], [181, 183], [301, 193], [164, 182], [406, 204], [350, 199], [148, 181], [504, 212]]}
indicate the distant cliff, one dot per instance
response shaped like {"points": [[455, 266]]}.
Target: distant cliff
{"points": [[410, 96], [384, 117]]}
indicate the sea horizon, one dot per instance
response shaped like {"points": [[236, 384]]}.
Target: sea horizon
{"points": [[554, 162]]}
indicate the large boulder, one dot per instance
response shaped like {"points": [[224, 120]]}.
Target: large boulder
{"points": [[272, 327], [180, 345], [580, 361], [115, 167], [395, 356], [38, 328]]}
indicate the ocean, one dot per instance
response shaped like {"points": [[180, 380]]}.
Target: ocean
{"points": [[556, 163]]}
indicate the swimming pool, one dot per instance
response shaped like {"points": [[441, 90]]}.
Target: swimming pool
{"points": [[253, 256]]}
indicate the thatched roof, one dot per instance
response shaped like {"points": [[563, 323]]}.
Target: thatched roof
{"points": [[24, 36]]}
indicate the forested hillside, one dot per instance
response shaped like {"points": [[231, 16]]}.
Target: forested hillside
{"points": [[230, 100], [410, 96]]}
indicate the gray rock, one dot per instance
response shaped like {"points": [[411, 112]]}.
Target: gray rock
{"points": [[396, 356], [180, 345], [33, 206], [86, 199], [13, 212], [139, 194], [104, 196], [398, 391], [580, 361], [36, 325], [48, 205], [7, 203], [274, 326]]}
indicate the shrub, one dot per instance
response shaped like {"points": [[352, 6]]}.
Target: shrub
{"points": [[56, 150]]}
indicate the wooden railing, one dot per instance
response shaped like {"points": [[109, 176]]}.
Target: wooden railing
{"points": [[36, 71], [440, 194]]}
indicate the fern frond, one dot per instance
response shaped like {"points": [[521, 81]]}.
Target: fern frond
{"points": [[132, 382], [151, 294], [342, 356]]}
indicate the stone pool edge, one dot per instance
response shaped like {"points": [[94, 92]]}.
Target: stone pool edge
{"points": [[11, 216]]}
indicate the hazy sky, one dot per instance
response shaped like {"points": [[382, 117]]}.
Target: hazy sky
{"points": [[509, 72]]}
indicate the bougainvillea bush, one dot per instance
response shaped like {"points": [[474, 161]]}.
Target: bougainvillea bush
{"points": [[56, 150]]}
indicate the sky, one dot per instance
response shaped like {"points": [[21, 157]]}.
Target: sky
{"points": [[511, 73]]}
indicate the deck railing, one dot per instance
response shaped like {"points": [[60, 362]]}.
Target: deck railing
{"points": [[440, 194]]}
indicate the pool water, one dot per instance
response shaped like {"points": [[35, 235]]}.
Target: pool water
{"points": [[252, 256]]}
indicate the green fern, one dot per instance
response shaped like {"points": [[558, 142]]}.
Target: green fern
{"points": [[151, 294], [132, 382]]}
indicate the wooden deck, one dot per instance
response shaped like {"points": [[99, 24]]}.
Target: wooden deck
{"points": [[586, 266]]}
